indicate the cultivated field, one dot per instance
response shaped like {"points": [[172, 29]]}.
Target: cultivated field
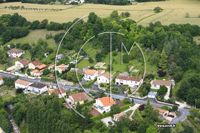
{"points": [[174, 11]]}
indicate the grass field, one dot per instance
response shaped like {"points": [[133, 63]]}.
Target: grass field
{"points": [[174, 11], [34, 35]]}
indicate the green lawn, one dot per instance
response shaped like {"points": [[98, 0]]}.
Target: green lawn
{"points": [[154, 90], [7, 96], [85, 63]]}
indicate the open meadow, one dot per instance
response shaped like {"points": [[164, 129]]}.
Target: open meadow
{"points": [[174, 11]]}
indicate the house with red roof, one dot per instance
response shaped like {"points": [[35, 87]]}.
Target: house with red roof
{"points": [[15, 52], [34, 64], [104, 104], [130, 81], [22, 63], [156, 84], [59, 91]]}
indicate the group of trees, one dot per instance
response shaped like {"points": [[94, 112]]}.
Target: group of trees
{"points": [[4, 122], [189, 89], [11, 26], [109, 2], [16, 26]]}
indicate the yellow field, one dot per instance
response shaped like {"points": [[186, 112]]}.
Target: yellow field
{"points": [[174, 11]]}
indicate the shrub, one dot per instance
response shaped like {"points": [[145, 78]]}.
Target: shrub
{"points": [[190, 116], [174, 108], [101, 85], [159, 120], [170, 110], [164, 107], [161, 73], [126, 100], [139, 114], [196, 121], [157, 9], [124, 107], [187, 15]]}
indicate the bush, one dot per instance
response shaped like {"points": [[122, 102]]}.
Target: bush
{"points": [[161, 73], [193, 123], [157, 9], [190, 117], [159, 120], [124, 107], [48, 80], [101, 85], [196, 121], [91, 60], [174, 108], [170, 110], [126, 100], [139, 114], [165, 107]]}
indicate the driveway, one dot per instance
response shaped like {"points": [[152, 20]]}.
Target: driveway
{"points": [[106, 120]]}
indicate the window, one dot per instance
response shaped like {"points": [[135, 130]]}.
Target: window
{"points": [[99, 78]]}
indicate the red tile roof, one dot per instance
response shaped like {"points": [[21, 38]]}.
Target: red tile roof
{"points": [[25, 62], [162, 82], [99, 71], [129, 78], [106, 101], [81, 97], [36, 63], [90, 72], [22, 82], [119, 103], [51, 77], [106, 75], [41, 66], [14, 50], [58, 91], [94, 112]]}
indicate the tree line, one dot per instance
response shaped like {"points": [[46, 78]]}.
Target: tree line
{"points": [[109, 2], [16, 26]]}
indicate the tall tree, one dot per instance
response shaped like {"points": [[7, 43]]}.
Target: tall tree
{"points": [[163, 61]]}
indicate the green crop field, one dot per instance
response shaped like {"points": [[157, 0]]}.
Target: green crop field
{"points": [[174, 11]]}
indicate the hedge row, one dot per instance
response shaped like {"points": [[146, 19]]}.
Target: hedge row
{"points": [[193, 123], [88, 103], [138, 111], [101, 116], [47, 79], [124, 107]]}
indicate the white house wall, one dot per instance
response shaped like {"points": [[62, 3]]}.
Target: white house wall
{"points": [[102, 79], [18, 64]]}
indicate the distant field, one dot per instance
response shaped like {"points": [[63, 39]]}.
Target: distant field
{"points": [[174, 11]]}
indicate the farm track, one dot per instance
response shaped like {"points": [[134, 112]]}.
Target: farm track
{"points": [[171, 11], [118, 9]]}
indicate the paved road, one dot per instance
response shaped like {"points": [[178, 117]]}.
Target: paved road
{"points": [[183, 112]]}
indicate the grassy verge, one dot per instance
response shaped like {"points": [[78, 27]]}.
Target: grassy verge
{"points": [[139, 114]]}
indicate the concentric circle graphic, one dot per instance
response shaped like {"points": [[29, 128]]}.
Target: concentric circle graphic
{"points": [[122, 46]]}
